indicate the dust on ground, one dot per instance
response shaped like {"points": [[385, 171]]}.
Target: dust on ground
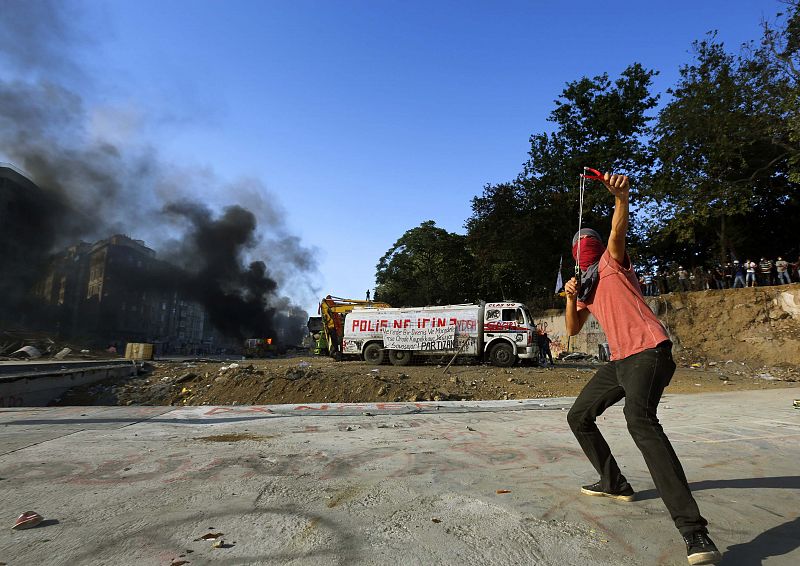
{"points": [[311, 379]]}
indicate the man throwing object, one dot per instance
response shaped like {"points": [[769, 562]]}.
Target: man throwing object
{"points": [[641, 367]]}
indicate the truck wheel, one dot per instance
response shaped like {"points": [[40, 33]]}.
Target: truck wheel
{"points": [[374, 353], [400, 357], [502, 355]]}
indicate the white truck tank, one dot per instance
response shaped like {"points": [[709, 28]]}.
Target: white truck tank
{"points": [[502, 331]]}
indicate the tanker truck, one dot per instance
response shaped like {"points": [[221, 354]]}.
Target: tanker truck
{"points": [[501, 333]]}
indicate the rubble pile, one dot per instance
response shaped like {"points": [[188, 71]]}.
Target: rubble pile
{"points": [[309, 379], [24, 345]]}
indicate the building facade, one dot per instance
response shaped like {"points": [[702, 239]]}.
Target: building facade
{"points": [[116, 290]]}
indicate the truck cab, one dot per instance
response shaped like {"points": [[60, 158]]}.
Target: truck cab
{"points": [[508, 333]]}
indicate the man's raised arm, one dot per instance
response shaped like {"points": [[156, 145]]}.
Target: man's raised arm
{"points": [[619, 186]]}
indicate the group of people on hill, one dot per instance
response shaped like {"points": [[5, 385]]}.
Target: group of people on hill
{"points": [[729, 276]]}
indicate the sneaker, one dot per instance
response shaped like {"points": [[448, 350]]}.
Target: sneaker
{"points": [[623, 493], [700, 549]]}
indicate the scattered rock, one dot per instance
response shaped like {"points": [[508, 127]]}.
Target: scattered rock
{"points": [[767, 376], [26, 353], [186, 377], [63, 354], [299, 372], [220, 544]]}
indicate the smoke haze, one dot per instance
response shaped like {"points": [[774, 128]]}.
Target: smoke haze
{"points": [[232, 259]]}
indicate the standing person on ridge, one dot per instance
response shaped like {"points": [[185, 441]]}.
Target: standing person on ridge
{"points": [[751, 273], [738, 274], [641, 367], [781, 267]]}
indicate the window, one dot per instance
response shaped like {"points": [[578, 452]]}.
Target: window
{"points": [[527, 313]]}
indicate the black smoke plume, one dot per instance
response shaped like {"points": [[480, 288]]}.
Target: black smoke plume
{"points": [[236, 297], [88, 188]]}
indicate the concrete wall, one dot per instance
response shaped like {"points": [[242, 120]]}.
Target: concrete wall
{"points": [[38, 388], [590, 336]]}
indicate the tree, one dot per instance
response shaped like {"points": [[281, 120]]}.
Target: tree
{"points": [[426, 266], [780, 47], [518, 230], [721, 153]]}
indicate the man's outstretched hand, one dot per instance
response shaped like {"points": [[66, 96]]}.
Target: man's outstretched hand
{"points": [[617, 185], [571, 288]]}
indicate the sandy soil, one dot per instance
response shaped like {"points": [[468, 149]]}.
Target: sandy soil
{"points": [[317, 379], [758, 325]]}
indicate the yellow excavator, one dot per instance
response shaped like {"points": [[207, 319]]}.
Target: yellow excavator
{"points": [[333, 311]]}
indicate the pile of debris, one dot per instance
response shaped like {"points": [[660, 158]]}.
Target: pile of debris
{"points": [[730, 369], [576, 356], [21, 345], [322, 380]]}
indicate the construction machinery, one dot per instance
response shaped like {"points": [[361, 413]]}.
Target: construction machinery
{"points": [[262, 348], [333, 311]]}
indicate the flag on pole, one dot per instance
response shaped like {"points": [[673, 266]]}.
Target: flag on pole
{"points": [[559, 280]]}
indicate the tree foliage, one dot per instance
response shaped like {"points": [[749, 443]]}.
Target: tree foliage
{"points": [[519, 230], [714, 174], [780, 47], [721, 152], [426, 266]]}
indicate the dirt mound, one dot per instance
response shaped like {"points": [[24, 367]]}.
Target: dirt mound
{"points": [[322, 380], [757, 326], [725, 340]]}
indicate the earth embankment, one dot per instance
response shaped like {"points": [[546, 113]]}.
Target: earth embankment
{"points": [[757, 326], [725, 340]]}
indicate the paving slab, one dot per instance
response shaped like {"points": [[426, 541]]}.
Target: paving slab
{"points": [[400, 483]]}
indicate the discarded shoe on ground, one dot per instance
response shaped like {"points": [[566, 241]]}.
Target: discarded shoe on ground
{"points": [[27, 520]]}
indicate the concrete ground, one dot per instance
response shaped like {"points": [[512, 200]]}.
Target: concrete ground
{"points": [[399, 483]]}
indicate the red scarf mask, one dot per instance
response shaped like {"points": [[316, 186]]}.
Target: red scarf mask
{"points": [[591, 251]]}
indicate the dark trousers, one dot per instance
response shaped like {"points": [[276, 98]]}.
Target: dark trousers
{"points": [[640, 379], [547, 353]]}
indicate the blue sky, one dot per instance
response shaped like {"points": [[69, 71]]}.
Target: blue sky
{"points": [[363, 119]]}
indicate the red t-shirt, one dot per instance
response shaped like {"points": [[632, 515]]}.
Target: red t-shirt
{"points": [[619, 307]]}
